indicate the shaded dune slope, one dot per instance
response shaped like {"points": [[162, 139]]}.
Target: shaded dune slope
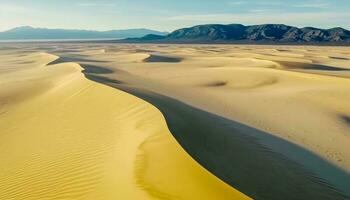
{"points": [[309, 66], [161, 58], [77, 139], [346, 119], [242, 156]]}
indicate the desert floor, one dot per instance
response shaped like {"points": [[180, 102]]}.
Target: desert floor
{"points": [[132, 121]]}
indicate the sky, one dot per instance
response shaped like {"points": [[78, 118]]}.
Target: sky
{"points": [[165, 15]]}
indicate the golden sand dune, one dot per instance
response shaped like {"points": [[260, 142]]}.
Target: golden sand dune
{"points": [[65, 137], [269, 76], [271, 121], [299, 96]]}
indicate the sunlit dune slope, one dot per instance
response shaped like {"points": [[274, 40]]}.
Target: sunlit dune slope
{"points": [[65, 137], [298, 93]]}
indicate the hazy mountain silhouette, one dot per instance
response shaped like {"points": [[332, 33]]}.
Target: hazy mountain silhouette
{"points": [[27, 32]]}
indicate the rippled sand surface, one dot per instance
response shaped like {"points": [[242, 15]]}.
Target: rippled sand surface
{"points": [[66, 137], [277, 114]]}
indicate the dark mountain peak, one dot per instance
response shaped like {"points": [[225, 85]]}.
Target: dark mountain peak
{"points": [[210, 32], [312, 29], [272, 32], [337, 29], [279, 26], [153, 37], [237, 25], [255, 33]]}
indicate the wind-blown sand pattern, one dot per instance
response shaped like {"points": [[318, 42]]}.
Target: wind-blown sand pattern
{"points": [[270, 121], [65, 137]]}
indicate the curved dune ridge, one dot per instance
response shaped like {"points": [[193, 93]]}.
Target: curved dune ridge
{"points": [[303, 104], [272, 124], [76, 139]]}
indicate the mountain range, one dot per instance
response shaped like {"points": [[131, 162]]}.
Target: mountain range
{"points": [[266, 33], [30, 33], [209, 33]]}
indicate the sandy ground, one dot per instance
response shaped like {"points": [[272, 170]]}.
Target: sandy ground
{"points": [[66, 137], [294, 94], [297, 93]]}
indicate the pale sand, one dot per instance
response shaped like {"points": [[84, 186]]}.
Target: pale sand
{"points": [[65, 137], [299, 94]]}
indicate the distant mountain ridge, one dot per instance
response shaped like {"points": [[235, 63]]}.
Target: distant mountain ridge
{"points": [[255, 33], [27, 32]]}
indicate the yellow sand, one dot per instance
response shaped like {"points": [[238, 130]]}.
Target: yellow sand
{"points": [[65, 137], [287, 91]]}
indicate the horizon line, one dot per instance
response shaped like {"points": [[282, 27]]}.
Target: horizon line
{"points": [[168, 31]]}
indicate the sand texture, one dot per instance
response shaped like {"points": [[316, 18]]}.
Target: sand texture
{"points": [[66, 137], [174, 121]]}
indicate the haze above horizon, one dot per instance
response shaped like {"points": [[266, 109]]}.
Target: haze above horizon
{"points": [[169, 15]]}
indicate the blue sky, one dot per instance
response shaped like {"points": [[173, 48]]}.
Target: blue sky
{"points": [[169, 15]]}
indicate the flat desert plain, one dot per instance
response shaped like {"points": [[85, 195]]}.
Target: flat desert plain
{"points": [[158, 121]]}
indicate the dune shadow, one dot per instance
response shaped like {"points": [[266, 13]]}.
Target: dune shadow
{"points": [[283, 50], [346, 119], [159, 58], [339, 58], [93, 69], [215, 84], [250, 160], [309, 66], [101, 79]]}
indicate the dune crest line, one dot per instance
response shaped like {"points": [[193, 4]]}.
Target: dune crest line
{"points": [[241, 156], [78, 139], [254, 120], [213, 115]]}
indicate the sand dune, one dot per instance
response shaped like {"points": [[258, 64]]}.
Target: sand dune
{"points": [[285, 95], [279, 113], [65, 137], [250, 78], [280, 85]]}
